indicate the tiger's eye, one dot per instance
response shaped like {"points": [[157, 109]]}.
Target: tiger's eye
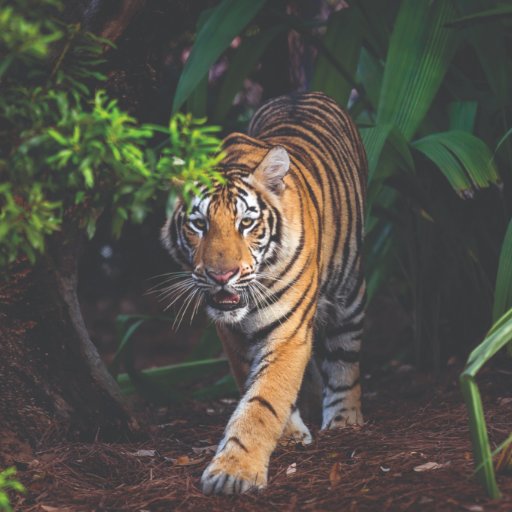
{"points": [[199, 224], [247, 222]]}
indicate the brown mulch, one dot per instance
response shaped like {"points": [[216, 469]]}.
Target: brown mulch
{"points": [[411, 421]]}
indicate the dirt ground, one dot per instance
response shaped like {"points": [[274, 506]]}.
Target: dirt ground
{"points": [[410, 422]]}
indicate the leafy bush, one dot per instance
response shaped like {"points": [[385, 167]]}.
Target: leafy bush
{"points": [[8, 482], [67, 151]]}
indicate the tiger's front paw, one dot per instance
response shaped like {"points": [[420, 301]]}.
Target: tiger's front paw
{"points": [[228, 474]]}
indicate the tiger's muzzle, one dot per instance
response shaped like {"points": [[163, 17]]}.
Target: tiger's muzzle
{"points": [[223, 295], [226, 300]]}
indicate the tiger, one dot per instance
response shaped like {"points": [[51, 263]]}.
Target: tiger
{"points": [[275, 254]]}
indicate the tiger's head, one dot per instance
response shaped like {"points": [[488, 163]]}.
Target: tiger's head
{"points": [[229, 235]]}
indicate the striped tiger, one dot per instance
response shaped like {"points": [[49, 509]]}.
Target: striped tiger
{"points": [[275, 255]]}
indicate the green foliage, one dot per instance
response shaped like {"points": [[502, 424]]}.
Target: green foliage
{"points": [[67, 151], [8, 482]]}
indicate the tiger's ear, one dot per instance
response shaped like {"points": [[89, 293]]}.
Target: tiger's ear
{"points": [[272, 169]]}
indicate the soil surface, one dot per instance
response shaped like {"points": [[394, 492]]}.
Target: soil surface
{"points": [[411, 422]]}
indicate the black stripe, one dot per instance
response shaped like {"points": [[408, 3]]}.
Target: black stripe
{"points": [[277, 295], [341, 354], [237, 441], [343, 387], [265, 331], [334, 402], [255, 377], [346, 328], [264, 403]]}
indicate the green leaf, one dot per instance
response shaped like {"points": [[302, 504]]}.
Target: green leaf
{"points": [[419, 54], [209, 345], [244, 60], [370, 72], [374, 139], [227, 20], [503, 289], [492, 51], [495, 13], [226, 386], [126, 329], [54, 134], [387, 152], [376, 15], [462, 115], [197, 102], [165, 378], [465, 160], [343, 39]]}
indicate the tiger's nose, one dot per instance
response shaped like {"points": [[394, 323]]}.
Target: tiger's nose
{"points": [[222, 276]]}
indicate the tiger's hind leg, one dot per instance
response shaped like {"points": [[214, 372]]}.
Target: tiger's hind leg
{"points": [[339, 362], [295, 431]]}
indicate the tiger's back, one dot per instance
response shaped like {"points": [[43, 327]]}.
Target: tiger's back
{"points": [[330, 159], [276, 251]]}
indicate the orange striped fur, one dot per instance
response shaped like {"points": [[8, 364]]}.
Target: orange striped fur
{"points": [[275, 254]]}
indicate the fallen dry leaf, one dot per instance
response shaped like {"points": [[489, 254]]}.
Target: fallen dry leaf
{"points": [[205, 449], [291, 469], [473, 508], [504, 461], [335, 474], [185, 460], [429, 466], [145, 453]]}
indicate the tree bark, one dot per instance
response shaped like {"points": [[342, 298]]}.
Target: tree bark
{"points": [[52, 380]]}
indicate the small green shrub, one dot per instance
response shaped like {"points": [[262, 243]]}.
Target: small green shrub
{"points": [[67, 151], [8, 482]]}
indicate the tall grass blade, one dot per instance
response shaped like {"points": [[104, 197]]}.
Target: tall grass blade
{"points": [[503, 289], [499, 335]]}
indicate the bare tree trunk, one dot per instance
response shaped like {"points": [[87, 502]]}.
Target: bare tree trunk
{"points": [[52, 380]]}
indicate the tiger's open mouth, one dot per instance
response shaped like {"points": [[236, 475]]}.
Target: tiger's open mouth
{"points": [[226, 300]]}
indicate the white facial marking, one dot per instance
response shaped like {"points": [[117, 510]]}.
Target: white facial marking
{"points": [[199, 215]]}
